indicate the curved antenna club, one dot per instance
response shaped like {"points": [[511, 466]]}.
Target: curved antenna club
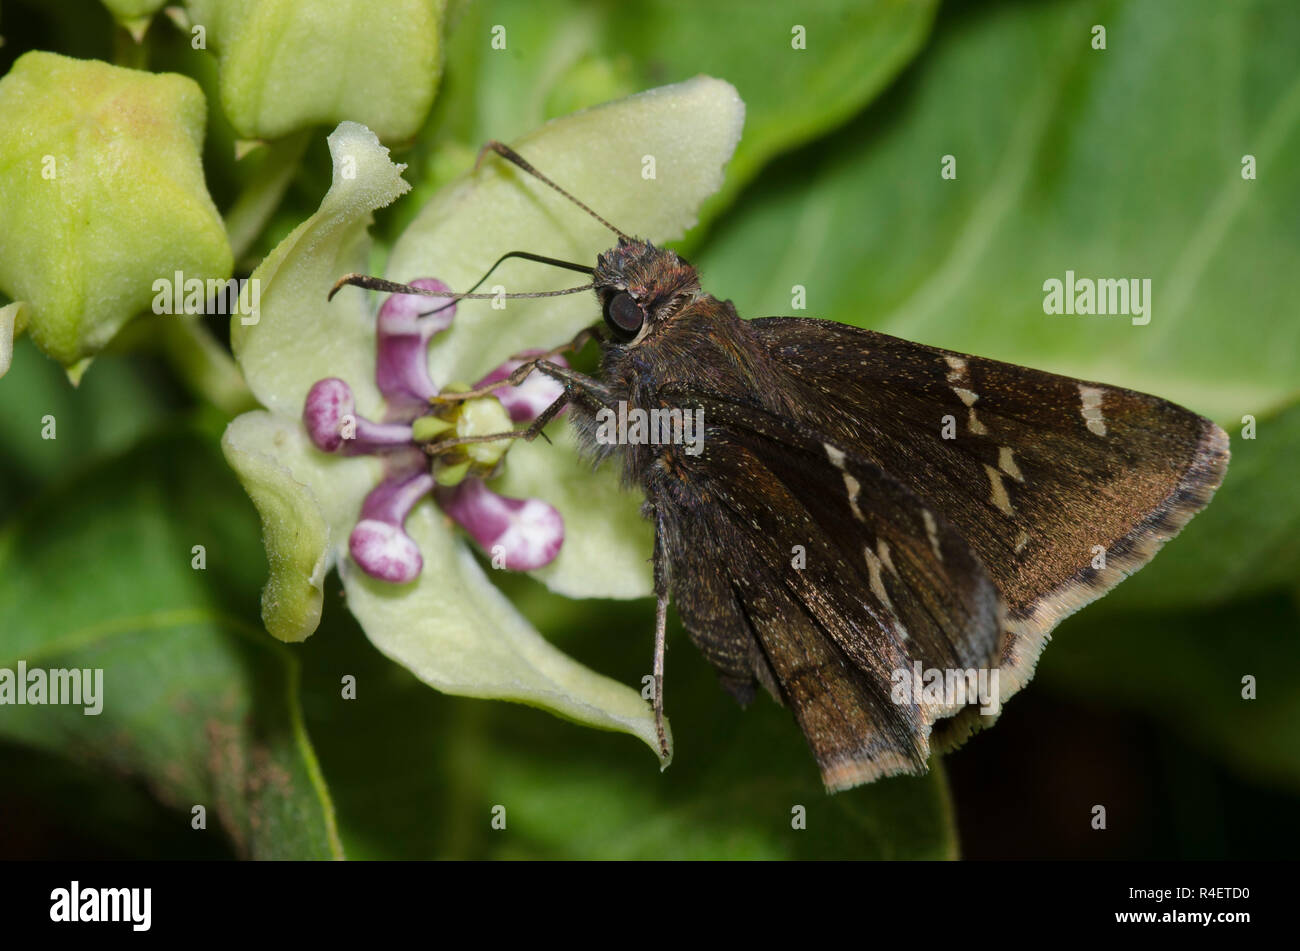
{"points": [[392, 287], [510, 155]]}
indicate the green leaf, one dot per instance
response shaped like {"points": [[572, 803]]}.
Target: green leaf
{"points": [[420, 774], [1121, 163], [48, 429], [289, 64], [1186, 669], [558, 57], [853, 50], [742, 809], [101, 194], [196, 703]]}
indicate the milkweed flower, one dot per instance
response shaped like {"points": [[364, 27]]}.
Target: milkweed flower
{"points": [[337, 463], [522, 534]]}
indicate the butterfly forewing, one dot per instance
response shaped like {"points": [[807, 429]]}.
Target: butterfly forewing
{"points": [[1061, 486], [800, 565]]}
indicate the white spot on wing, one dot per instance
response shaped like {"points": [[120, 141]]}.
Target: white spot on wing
{"points": [[1007, 463], [932, 530], [877, 583], [957, 380], [851, 485], [882, 550], [1090, 396], [998, 495]]}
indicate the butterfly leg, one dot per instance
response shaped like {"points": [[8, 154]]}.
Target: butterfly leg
{"points": [[521, 372], [578, 387], [661, 623]]}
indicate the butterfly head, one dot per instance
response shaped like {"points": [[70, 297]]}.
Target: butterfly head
{"points": [[640, 286]]}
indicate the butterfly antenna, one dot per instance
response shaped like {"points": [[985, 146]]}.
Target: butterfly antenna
{"points": [[527, 256], [392, 287], [510, 155]]}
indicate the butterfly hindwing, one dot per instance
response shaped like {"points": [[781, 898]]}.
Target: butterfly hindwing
{"points": [[806, 568], [1062, 487]]}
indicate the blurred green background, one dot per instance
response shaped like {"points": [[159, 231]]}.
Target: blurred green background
{"points": [[1118, 162]]}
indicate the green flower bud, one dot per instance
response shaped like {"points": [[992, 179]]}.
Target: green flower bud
{"points": [[102, 195], [289, 64], [428, 428], [134, 14], [482, 417]]}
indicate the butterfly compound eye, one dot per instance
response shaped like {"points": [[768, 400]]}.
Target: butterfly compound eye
{"points": [[624, 315]]}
